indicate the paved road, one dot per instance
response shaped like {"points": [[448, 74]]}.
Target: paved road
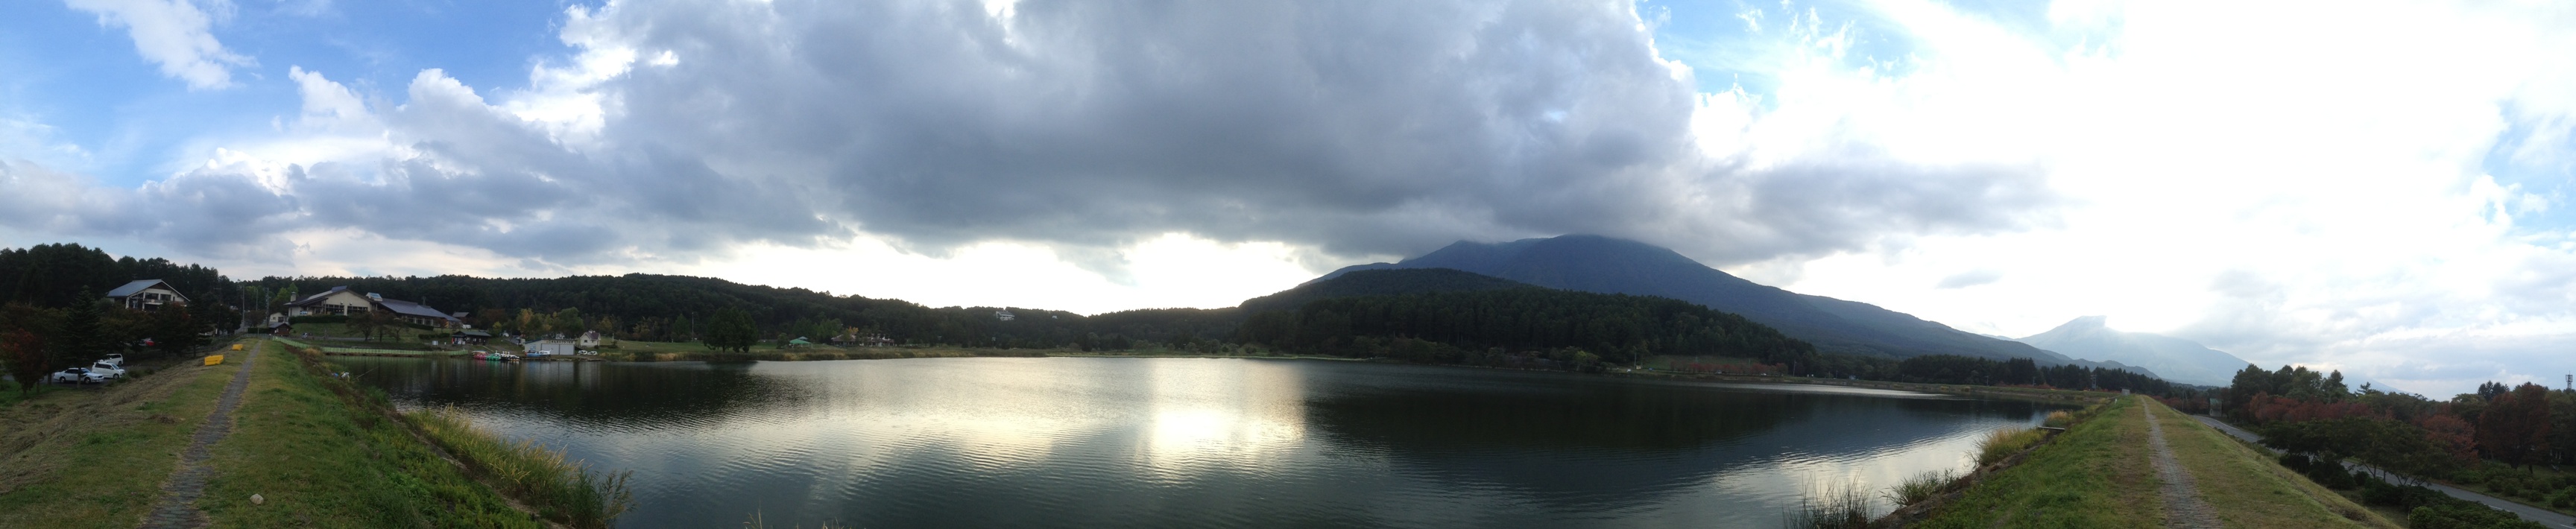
{"points": [[2536, 514]]}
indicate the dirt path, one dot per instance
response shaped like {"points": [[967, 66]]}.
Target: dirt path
{"points": [[2183, 507], [178, 497]]}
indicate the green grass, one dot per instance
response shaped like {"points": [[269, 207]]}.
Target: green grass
{"points": [[2005, 442], [324, 456], [9, 393], [97, 457], [2094, 475], [2098, 474], [2250, 488], [564, 491]]}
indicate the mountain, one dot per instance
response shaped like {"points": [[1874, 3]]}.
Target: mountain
{"points": [[1380, 283], [2178, 359], [1592, 263]]}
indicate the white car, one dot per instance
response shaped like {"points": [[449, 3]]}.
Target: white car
{"points": [[106, 370], [114, 359], [75, 375]]}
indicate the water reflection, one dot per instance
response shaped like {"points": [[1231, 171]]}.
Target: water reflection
{"points": [[1192, 442]]}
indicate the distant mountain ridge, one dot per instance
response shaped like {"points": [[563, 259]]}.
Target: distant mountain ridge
{"points": [[1592, 263], [2179, 360]]}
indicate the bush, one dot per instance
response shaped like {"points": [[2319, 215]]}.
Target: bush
{"points": [[2004, 442], [2331, 474]]}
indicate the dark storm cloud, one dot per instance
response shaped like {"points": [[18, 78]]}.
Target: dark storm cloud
{"points": [[1361, 127]]}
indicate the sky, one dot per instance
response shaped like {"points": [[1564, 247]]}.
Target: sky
{"points": [[2380, 188]]}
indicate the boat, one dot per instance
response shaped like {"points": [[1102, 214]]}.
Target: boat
{"points": [[496, 357]]}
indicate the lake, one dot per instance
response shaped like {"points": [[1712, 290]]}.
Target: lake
{"points": [[1185, 442]]}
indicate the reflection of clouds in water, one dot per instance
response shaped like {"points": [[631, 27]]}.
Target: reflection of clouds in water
{"points": [[1795, 475], [1196, 442], [1228, 414]]}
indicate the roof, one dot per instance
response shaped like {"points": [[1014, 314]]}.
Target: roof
{"points": [[413, 309], [316, 298], [137, 285], [474, 333], [799, 341]]}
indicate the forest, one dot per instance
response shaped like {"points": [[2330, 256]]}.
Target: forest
{"points": [[54, 313], [1453, 327], [1432, 316]]}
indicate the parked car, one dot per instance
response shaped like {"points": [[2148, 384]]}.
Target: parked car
{"points": [[114, 359], [75, 375], [107, 370]]}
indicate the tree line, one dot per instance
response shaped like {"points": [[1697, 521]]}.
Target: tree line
{"points": [[2496, 437]]}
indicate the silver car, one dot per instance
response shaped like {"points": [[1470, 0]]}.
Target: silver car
{"points": [[75, 375], [106, 370]]}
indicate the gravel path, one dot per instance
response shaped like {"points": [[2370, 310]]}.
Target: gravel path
{"points": [[178, 497], [2183, 507]]}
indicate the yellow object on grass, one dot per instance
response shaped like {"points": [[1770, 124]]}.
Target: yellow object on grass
{"points": [[214, 359], [236, 347]]}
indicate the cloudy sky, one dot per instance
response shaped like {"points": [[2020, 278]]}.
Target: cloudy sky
{"points": [[2378, 187]]}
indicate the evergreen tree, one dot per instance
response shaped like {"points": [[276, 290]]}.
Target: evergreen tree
{"points": [[82, 334], [731, 330]]}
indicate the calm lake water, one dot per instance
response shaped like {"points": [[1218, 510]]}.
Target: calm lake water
{"points": [[1089, 442]]}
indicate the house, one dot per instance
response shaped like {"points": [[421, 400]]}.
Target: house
{"points": [[145, 294], [471, 337], [280, 328], [340, 301], [1004, 315], [588, 340], [552, 347]]}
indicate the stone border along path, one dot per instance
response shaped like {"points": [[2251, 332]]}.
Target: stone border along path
{"points": [[2183, 507], [177, 508]]}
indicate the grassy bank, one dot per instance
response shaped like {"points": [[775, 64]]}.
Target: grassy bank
{"points": [[321, 455], [96, 456], [2099, 474], [323, 451], [2250, 488], [560, 490]]}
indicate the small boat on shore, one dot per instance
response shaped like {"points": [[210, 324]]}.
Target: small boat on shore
{"points": [[496, 357]]}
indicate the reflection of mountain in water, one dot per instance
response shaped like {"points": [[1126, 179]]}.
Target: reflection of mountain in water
{"points": [[1573, 444], [626, 397]]}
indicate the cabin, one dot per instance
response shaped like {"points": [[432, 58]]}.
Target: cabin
{"points": [[281, 328], [471, 337], [340, 301], [145, 294], [588, 340], [1004, 315]]}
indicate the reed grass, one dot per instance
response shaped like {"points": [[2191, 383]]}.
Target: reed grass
{"points": [[561, 490], [1837, 506], [2004, 442], [759, 522], [2059, 419], [1920, 487]]}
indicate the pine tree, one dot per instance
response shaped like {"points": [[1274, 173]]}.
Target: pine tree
{"points": [[82, 335]]}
